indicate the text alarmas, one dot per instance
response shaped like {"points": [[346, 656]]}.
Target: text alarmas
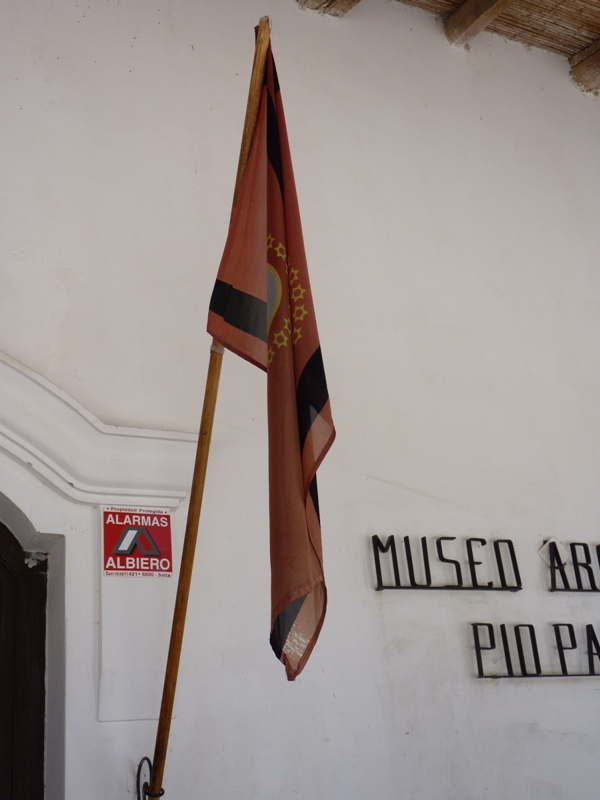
{"points": [[137, 519]]}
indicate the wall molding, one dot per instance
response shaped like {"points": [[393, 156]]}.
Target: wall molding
{"points": [[69, 449]]}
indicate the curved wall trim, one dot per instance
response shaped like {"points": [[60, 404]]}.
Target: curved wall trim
{"points": [[72, 451]]}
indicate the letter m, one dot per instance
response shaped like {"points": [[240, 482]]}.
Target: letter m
{"points": [[378, 548]]}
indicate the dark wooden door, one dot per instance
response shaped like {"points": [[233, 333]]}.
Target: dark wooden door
{"points": [[22, 671]]}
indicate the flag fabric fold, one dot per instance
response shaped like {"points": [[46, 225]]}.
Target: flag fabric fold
{"points": [[261, 308]]}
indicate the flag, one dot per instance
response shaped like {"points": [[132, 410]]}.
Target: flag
{"points": [[261, 308]]}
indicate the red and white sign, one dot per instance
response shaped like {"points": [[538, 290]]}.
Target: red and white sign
{"points": [[137, 542]]}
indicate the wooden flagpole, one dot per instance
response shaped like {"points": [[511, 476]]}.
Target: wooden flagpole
{"points": [[206, 425]]}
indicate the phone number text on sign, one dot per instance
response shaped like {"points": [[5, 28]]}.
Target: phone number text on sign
{"points": [[137, 542]]}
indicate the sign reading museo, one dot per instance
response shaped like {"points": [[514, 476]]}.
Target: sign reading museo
{"points": [[503, 651], [136, 542]]}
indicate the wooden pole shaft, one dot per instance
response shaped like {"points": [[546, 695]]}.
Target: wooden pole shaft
{"points": [[187, 563], [263, 37], [206, 425]]}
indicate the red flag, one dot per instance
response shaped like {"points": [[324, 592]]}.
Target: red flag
{"points": [[261, 308]]}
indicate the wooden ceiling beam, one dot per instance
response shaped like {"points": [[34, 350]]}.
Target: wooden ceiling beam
{"points": [[337, 8], [472, 17], [585, 67]]}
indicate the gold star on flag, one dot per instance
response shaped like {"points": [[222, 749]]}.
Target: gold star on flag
{"points": [[271, 354], [280, 250], [297, 335], [299, 313], [280, 339], [270, 241], [298, 292], [293, 275], [286, 324]]}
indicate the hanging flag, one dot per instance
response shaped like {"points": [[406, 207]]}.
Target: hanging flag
{"points": [[261, 308]]}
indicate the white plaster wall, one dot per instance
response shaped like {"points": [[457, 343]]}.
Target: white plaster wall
{"points": [[449, 203]]}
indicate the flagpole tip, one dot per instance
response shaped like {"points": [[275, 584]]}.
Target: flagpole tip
{"points": [[264, 22]]}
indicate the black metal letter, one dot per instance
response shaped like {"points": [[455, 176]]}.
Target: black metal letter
{"points": [[506, 648], [379, 547], [585, 564], [513, 561], [409, 563], [442, 557], [473, 563], [593, 647], [556, 565], [534, 648], [561, 646], [479, 647]]}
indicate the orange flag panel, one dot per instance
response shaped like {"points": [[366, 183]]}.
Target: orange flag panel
{"points": [[262, 309]]}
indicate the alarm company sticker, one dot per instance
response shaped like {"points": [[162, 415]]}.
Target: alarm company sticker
{"points": [[137, 542]]}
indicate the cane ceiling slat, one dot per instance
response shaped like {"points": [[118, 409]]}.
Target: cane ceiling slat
{"points": [[565, 28], [562, 26], [569, 28]]}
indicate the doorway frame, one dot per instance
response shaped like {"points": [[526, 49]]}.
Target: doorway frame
{"points": [[53, 547]]}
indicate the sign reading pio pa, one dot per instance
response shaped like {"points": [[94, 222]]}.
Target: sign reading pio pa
{"points": [[136, 542]]}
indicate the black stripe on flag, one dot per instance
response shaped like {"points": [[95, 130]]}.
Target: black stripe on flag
{"points": [[283, 625], [311, 394], [275, 78], [273, 150], [243, 311], [314, 494]]}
